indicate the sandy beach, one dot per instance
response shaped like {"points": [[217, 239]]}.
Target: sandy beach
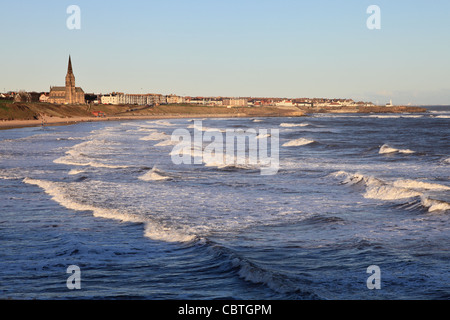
{"points": [[31, 115], [57, 121]]}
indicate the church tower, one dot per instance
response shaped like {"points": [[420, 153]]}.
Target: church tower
{"points": [[70, 85], [68, 94]]}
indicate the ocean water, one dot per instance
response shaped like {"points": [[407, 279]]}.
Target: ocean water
{"points": [[352, 191]]}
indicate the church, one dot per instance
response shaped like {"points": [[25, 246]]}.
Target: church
{"points": [[68, 94]]}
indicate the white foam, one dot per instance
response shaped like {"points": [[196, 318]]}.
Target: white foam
{"points": [[161, 123], [75, 171], [396, 190], [186, 148], [386, 149], [95, 164], [154, 136], [154, 175], [291, 125], [153, 230], [412, 116], [69, 138], [443, 117], [76, 155], [389, 192], [298, 142], [56, 190], [385, 116], [435, 205], [263, 136], [159, 233], [414, 184]]}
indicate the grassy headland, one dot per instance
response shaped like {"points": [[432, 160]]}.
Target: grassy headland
{"points": [[32, 114]]}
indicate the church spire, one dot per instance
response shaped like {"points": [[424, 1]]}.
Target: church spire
{"points": [[69, 69]]}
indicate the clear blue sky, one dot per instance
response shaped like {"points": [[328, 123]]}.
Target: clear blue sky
{"points": [[283, 48]]}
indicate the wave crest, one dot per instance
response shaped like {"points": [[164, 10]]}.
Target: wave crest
{"points": [[152, 229], [396, 190], [386, 149], [155, 175], [291, 125], [298, 142]]}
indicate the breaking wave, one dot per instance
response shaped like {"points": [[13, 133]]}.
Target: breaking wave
{"points": [[161, 123], [435, 205], [298, 142], [291, 125], [396, 190], [386, 149], [225, 161], [155, 175], [76, 171], [254, 273], [78, 155], [263, 136], [93, 164], [152, 229]]}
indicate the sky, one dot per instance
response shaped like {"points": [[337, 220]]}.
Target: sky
{"points": [[258, 48]]}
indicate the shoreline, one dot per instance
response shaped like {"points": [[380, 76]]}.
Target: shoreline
{"points": [[56, 121], [236, 113]]}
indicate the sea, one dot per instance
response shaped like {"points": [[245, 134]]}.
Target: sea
{"points": [[359, 209]]}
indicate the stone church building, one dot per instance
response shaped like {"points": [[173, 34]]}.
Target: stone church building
{"points": [[68, 94]]}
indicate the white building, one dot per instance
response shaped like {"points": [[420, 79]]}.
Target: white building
{"points": [[134, 99], [174, 99], [110, 99], [43, 98], [285, 103]]}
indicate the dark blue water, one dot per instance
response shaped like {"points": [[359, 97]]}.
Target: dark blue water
{"points": [[351, 191]]}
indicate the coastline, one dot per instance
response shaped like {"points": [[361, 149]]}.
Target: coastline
{"points": [[73, 114], [57, 121]]}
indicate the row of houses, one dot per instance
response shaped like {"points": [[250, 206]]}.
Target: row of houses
{"points": [[134, 99], [120, 98], [158, 99]]}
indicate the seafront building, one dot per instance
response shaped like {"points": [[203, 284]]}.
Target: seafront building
{"points": [[119, 98]]}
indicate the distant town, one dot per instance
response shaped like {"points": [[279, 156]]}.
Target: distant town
{"points": [[152, 99], [72, 95]]}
